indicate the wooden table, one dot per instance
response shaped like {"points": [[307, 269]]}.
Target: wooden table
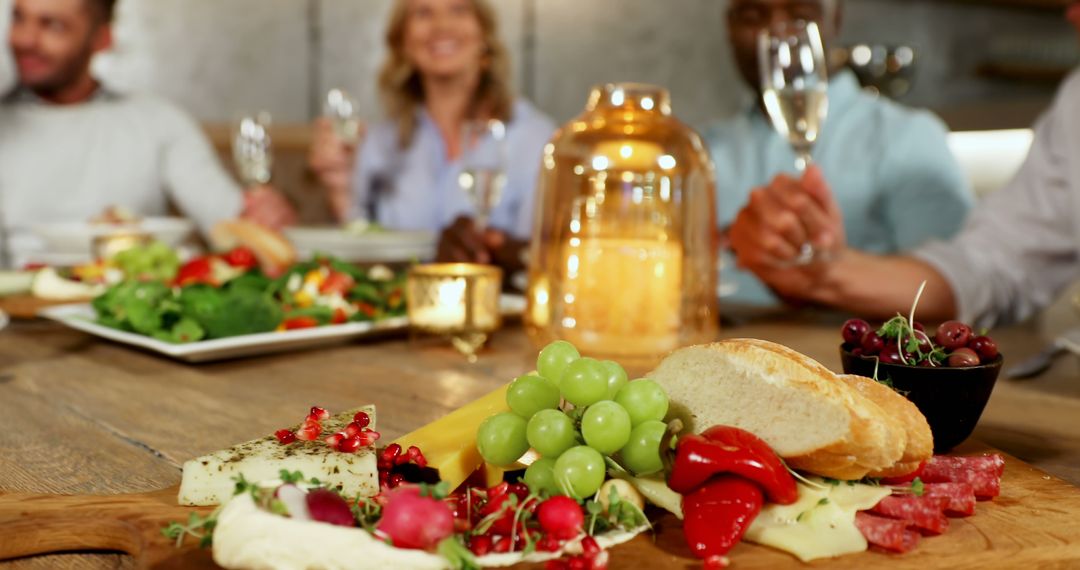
{"points": [[81, 415]]}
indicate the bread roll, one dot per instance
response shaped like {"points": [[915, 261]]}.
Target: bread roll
{"points": [[275, 253], [813, 420], [919, 441]]}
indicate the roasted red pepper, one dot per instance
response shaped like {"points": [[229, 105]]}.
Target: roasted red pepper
{"points": [[717, 514], [724, 449], [198, 270]]}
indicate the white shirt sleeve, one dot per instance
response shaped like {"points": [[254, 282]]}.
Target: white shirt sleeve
{"points": [[1021, 246], [192, 173]]}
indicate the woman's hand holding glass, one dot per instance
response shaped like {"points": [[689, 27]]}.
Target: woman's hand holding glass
{"points": [[770, 232]]}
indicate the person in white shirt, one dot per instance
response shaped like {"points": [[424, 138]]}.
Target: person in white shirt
{"points": [[1019, 250], [71, 149]]}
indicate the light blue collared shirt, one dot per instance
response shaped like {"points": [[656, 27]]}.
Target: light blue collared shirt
{"points": [[416, 188], [889, 168]]}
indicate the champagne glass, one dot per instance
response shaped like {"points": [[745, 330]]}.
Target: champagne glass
{"points": [[253, 151], [344, 114], [794, 84], [483, 166], [794, 87]]}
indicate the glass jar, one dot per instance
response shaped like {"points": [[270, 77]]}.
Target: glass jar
{"points": [[623, 259]]}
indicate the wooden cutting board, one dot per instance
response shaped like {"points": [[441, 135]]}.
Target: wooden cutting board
{"points": [[1035, 523]]}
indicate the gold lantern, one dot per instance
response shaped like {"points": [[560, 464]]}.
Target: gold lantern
{"points": [[623, 260]]}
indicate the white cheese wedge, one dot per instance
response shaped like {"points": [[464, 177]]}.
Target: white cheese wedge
{"points": [[821, 524], [209, 480]]}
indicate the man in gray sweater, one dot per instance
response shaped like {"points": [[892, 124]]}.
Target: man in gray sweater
{"points": [[70, 148]]}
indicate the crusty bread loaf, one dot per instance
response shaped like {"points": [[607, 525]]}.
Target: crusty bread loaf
{"points": [[919, 441], [813, 420], [274, 252]]}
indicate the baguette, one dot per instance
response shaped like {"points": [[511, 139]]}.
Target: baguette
{"points": [[919, 441], [814, 421], [274, 252]]}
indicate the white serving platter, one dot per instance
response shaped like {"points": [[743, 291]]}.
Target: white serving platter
{"points": [[81, 317], [374, 247]]}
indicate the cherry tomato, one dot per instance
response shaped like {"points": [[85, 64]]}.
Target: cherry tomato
{"points": [[198, 270], [337, 284], [301, 323], [339, 317], [241, 257]]}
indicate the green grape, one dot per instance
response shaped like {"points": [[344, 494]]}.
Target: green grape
{"points": [[641, 455], [530, 394], [606, 427], [554, 359], [616, 377], [551, 432], [579, 472], [501, 439], [644, 400], [540, 476], [584, 382]]}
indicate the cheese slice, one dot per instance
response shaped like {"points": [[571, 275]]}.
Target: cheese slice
{"points": [[449, 443], [821, 524], [209, 480]]}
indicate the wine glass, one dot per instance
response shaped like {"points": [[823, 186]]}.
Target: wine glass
{"points": [[483, 166], [344, 114], [794, 88], [253, 151], [794, 84]]}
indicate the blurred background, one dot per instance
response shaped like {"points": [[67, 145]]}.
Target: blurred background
{"points": [[979, 64]]}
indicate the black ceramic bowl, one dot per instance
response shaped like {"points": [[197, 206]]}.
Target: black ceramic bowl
{"points": [[952, 399]]}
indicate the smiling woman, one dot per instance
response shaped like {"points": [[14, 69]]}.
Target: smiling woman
{"points": [[446, 70]]}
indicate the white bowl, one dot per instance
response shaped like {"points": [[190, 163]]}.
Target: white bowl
{"points": [[383, 246], [78, 237]]}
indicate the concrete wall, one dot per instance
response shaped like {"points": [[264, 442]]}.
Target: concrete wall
{"points": [[221, 57]]}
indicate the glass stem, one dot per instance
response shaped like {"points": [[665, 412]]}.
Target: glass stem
{"points": [[802, 160]]}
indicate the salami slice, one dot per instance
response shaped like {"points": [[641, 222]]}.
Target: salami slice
{"points": [[983, 473], [960, 497], [924, 513], [888, 534]]}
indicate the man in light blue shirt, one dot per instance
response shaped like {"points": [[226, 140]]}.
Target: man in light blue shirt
{"points": [[889, 167]]}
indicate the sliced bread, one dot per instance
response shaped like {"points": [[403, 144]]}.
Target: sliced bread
{"points": [[918, 440], [813, 420]]}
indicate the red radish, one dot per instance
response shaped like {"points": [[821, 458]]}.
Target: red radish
{"points": [[284, 436], [329, 507], [561, 517], [414, 521], [364, 420], [716, 562], [295, 500], [480, 544], [318, 414]]}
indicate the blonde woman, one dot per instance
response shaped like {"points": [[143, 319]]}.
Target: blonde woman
{"points": [[446, 66]]}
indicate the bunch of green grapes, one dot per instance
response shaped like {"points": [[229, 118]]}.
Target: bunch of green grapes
{"points": [[573, 412]]}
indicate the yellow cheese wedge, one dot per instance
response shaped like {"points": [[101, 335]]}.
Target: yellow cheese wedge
{"points": [[821, 524], [449, 443]]}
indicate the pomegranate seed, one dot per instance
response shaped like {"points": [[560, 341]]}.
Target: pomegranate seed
{"points": [[284, 436], [589, 546], [368, 437], [498, 490], [318, 414], [716, 562], [480, 545], [391, 453], [599, 562], [353, 429], [548, 543], [394, 480], [308, 431], [578, 563], [362, 418], [503, 544], [349, 445], [556, 565], [521, 490], [334, 440]]}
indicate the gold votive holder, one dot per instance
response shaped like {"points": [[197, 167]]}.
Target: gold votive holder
{"points": [[459, 301]]}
